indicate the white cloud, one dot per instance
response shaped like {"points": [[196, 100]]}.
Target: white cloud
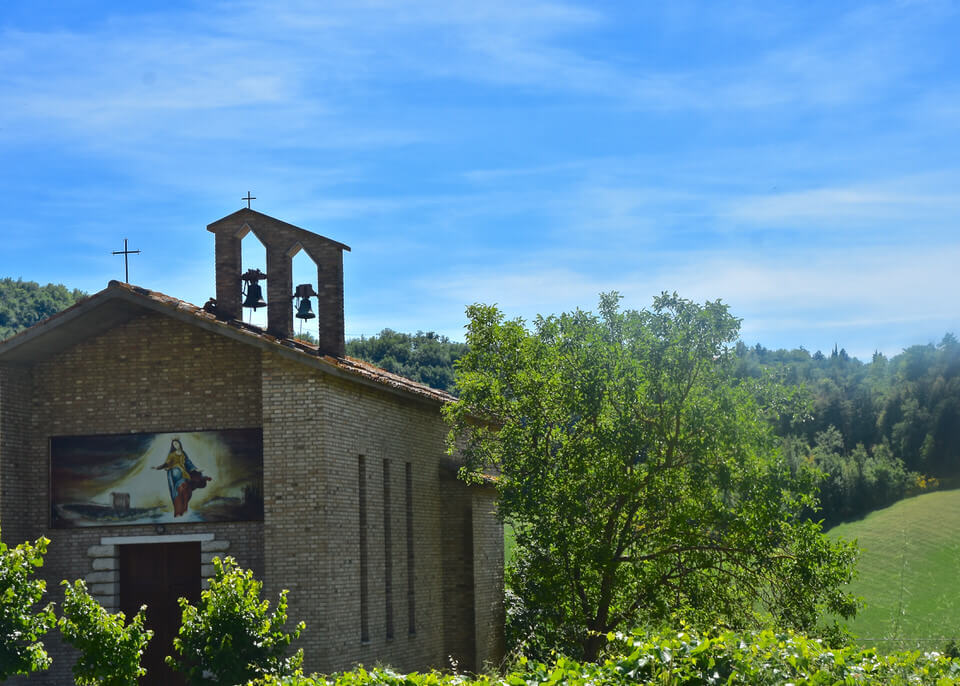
{"points": [[804, 295], [917, 201], [136, 73]]}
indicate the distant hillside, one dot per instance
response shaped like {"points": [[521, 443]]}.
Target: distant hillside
{"points": [[424, 357], [24, 303], [908, 573]]}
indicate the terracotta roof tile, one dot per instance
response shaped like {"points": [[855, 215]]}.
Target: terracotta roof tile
{"points": [[350, 365]]}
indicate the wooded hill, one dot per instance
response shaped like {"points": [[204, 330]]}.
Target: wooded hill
{"points": [[24, 303], [424, 357], [879, 429]]}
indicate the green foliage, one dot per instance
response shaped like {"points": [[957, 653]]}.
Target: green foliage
{"points": [[24, 303], [641, 479], [855, 482], [910, 403], [425, 357], [21, 625], [766, 657], [231, 637], [898, 420], [688, 658], [378, 677], [110, 649]]}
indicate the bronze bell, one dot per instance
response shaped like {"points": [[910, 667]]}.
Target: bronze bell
{"points": [[254, 299], [303, 294], [304, 309]]}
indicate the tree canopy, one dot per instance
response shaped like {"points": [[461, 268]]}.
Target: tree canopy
{"points": [[642, 479], [910, 402], [231, 636], [24, 303], [424, 357], [22, 623]]}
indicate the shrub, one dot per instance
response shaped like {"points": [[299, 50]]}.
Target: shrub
{"points": [[22, 627], [110, 649], [230, 637], [689, 658]]}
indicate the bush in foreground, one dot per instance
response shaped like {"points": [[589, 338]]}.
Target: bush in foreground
{"points": [[231, 637], [688, 658], [22, 625], [110, 648]]}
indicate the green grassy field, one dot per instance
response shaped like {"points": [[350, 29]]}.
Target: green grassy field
{"points": [[909, 573]]}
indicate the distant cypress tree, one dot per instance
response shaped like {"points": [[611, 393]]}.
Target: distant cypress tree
{"points": [[24, 303]]}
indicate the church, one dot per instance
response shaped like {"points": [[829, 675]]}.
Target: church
{"points": [[145, 436]]}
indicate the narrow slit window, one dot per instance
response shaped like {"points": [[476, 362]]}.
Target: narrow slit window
{"points": [[411, 598], [387, 550], [364, 599]]}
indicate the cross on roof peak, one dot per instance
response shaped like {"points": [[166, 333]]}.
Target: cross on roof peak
{"points": [[126, 264], [248, 198]]}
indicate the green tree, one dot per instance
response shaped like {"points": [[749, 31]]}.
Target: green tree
{"points": [[24, 303], [231, 637], [110, 648], [22, 626], [642, 480], [424, 357]]}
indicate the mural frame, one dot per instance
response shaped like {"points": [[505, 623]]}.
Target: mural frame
{"points": [[113, 479]]}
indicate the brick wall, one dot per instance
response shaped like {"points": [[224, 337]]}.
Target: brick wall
{"points": [[153, 374], [14, 432], [294, 542], [156, 374], [459, 597], [488, 578], [380, 427]]}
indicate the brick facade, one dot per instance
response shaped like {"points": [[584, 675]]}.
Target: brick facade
{"points": [[159, 373]]}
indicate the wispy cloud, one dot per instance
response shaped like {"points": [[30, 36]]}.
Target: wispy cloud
{"points": [[138, 72], [876, 288], [844, 207], [797, 160]]}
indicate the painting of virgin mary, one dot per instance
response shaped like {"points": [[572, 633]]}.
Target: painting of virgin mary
{"points": [[183, 477], [110, 479]]}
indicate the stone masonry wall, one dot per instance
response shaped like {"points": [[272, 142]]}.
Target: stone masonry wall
{"points": [[153, 374]]}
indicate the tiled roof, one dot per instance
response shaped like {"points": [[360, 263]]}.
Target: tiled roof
{"points": [[352, 367]]}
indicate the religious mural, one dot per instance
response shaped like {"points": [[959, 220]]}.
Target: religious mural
{"points": [[164, 478]]}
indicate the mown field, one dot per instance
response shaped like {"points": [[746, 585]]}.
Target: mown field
{"points": [[909, 573]]}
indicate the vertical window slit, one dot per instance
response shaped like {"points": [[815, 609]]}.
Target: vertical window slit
{"points": [[411, 600], [387, 550], [364, 600]]}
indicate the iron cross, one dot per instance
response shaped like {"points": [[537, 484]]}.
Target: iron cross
{"points": [[249, 198], [125, 252]]}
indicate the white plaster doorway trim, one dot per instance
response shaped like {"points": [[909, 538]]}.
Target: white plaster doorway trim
{"points": [[103, 581], [160, 538]]}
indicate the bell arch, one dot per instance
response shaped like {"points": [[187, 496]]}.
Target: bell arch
{"points": [[253, 255], [304, 271]]}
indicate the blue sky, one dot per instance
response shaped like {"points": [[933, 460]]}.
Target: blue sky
{"points": [[799, 161]]}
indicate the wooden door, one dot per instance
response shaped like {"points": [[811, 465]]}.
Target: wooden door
{"points": [[155, 575]]}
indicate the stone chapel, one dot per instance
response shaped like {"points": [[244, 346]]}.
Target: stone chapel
{"points": [[144, 436]]}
